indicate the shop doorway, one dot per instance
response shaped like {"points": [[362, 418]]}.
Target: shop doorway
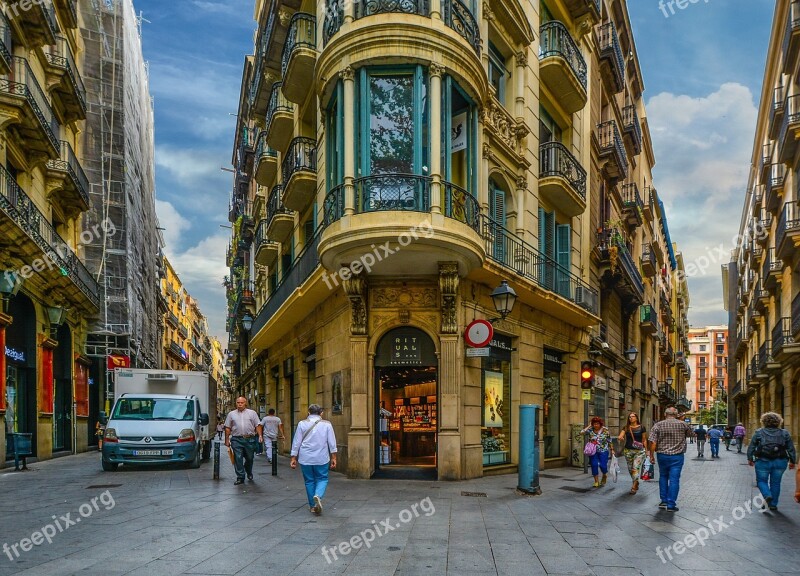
{"points": [[62, 380], [406, 382], [20, 352]]}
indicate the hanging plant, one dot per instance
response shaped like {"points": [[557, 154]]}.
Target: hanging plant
{"points": [[613, 257]]}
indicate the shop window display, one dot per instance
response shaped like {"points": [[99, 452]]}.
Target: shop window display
{"points": [[496, 431]]}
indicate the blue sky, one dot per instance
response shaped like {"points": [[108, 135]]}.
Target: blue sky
{"points": [[702, 67]]}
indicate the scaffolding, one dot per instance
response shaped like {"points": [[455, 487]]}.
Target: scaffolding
{"points": [[119, 151]]}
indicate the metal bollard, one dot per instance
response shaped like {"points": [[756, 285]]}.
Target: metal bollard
{"points": [[274, 457], [216, 460]]}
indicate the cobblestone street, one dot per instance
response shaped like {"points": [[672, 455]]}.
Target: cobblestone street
{"points": [[181, 521]]}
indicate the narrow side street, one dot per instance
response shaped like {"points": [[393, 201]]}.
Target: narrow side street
{"points": [[182, 522]]}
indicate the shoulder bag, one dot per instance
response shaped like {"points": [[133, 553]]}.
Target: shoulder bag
{"points": [[636, 445]]}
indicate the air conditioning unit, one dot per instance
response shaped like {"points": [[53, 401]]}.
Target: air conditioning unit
{"points": [[586, 298], [163, 377]]}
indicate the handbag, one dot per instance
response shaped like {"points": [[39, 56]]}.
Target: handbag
{"points": [[591, 448], [636, 445]]}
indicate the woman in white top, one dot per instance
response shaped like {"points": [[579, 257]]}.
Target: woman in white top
{"points": [[314, 447]]}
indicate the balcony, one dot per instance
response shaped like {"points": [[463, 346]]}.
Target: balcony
{"points": [[632, 128], [266, 251], [783, 342], [760, 296], [69, 12], [648, 320], [763, 228], [451, 234], [266, 161], [562, 67], [612, 150], [67, 183], [36, 123], [246, 150], [37, 23], [280, 116], [459, 18], [578, 8], [758, 197], [648, 261], [280, 219], [173, 320], [620, 270], [512, 253], [772, 270], [632, 205], [562, 180], [777, 111], [787, 234], [612, 63], [29, 233], [765, 361], [298, 58], [65, 81], [791, 46], [774, 186], [790, 129], [300, 173], [6, 45], [648, 210], [183, 331], [179, 353]]}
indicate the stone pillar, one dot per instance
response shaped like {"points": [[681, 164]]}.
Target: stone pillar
{"points": [[436, 13], [348, 78], [522, 191], [360, 456], [436, 71], [349, 12], [449, 457], [521, 61]]}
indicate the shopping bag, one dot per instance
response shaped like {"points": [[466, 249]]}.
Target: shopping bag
{"points": [[645, 472], [613, 468], [230, 453]]}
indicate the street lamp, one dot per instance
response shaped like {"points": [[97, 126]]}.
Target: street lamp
{"points": [[10, 284], [247, 322], [504, 298], [631, 354], [669, 381], [56, 315]]}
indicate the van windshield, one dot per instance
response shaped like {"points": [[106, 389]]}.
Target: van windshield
{"points": [[153, 409]]}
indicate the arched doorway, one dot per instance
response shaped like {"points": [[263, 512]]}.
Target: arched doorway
{"points": [[62, 381], [406, 389], [20, 354]]}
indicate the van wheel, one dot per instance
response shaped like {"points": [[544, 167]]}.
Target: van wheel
{"points": [[195, 463], [206, 450], [109, 466]]}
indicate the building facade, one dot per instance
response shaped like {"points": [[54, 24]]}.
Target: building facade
{"points": [[762, 287], [708, 355], [395, 164], [49, 297]]}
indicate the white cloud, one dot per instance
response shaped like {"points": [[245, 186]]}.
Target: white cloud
{"points": [[703, 148], [188, 166], [172, 223]]}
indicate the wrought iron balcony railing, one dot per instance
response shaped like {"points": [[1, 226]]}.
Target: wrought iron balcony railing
{"points": [[22, 210], [631, 125], [61, 56], [364, 8], [301, 156], [557, 41], [22, 83], [69, 163], [510, 251], [556, 160], [611, 238], [461, 205], [610, 142], [275, 203], [609, 47], [334, 18], [6, 44], [333, 208], [302, 34], [383, 192], [458, 17], [631, 197]]}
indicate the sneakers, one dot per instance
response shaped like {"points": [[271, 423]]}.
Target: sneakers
{"points": [[250, 477], [317, 505], [662, 505], [238, 481], [672, 508]]}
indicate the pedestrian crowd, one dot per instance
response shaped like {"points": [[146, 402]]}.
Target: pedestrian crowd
{"points": [[770, 451]]}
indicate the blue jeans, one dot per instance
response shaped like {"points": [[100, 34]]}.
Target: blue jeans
{"points": [[714, 442], [243, 455], [599, 460], [316, 479], [768, 477], [669, 477]]}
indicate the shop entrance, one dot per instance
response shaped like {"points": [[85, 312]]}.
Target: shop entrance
{"points": [[406, 380]]}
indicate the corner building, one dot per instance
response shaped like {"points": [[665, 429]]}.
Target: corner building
{"points": [[395, 163]]}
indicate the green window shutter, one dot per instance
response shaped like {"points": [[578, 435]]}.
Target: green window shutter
{"points": [[308, 231], [563, 235], [547, 245], [498, 210]]}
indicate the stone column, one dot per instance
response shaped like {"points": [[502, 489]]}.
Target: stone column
{"points": [[348, 78], [360, 456], [436, 12], [522, 191], [349, 12], [436, 71], [521, 60], [450, 369]]}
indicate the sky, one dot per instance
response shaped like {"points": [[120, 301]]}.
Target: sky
{"points": [[702, 67]]}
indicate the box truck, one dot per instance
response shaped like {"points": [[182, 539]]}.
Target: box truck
{"points": [[159, 417]]}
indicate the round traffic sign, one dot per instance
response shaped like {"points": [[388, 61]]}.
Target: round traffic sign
{"points": [[479, 333]]}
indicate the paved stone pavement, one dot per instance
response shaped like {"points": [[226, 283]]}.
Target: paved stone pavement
{"points": [[178, 521]]}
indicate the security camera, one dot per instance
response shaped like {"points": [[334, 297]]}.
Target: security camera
{"points": [[605, 346]]}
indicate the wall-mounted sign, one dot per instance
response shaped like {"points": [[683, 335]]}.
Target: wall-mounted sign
{"points": [[406, 350], [479, 333], [478, 352], [15, 355], [118, 361], [586, 394]]}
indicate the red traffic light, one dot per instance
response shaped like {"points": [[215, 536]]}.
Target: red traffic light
{"points": [[587, 375]]}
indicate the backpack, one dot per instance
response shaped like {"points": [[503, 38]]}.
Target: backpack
{"points": [[772, 444]]}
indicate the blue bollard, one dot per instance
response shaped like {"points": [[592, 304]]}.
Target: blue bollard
{"points": [[528, 481]]}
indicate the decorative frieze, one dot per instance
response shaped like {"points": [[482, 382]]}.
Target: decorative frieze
{"points": [[448, 288], [356, 289]]}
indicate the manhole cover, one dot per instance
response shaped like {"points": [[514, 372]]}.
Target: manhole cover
{"points": [[474, 494], [99, 486], [574, 489]]}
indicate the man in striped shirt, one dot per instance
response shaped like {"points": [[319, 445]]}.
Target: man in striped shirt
{"points": [[668, 442]]}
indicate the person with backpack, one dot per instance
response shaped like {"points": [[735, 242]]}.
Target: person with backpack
{"points": [[727, 436], [770, 450]]}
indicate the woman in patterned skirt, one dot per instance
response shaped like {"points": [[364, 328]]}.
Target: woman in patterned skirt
{"points": [[635, 437]]}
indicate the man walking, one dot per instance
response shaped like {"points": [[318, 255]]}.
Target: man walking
{"points": [[700, 433], [668, 441], [714, 437], [241, 428], [738, 436], [314, 447], [273, 429]]}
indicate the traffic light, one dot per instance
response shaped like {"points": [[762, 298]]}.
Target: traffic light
{"points": [[587, 375]]}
